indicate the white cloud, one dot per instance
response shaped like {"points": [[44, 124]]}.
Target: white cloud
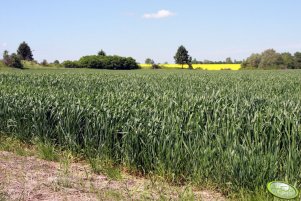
{"points": [[158, 15], [4, 44]]}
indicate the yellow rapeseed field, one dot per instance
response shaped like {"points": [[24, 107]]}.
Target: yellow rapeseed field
{"points": [[199, 66]]}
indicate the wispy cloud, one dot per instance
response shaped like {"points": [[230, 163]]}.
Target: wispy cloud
{"points": [[4, 45], [158, 15]]}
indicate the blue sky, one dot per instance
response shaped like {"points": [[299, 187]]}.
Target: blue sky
{"points": [[209, 29]]}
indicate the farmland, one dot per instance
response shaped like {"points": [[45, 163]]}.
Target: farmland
{"points": [[237, 129], [197, 66]]}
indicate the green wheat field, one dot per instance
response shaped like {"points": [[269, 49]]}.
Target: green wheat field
{"points": [[236, 129]]}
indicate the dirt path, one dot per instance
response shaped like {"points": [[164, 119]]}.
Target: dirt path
{"points": [[29, 178]]}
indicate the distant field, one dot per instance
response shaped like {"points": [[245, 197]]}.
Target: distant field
{"points": [[239, 129], [199, 66], [31, 65]]}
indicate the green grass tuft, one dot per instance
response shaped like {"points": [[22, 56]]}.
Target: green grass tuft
{"points": [[12, 144], [106, 167], [47, 151]]}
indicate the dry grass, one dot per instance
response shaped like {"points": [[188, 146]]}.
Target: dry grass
{"points": [[30, 178]]}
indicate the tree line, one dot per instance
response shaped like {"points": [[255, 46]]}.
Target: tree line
{"points": [[270, 59], [182, 57], [99, 61], [228, 60]]}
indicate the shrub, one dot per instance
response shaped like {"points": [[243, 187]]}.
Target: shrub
{"points": [[130, 63], [156, 66], [149, 61], [71, 64], [108, 62], [103, 62], [91, 62], [56, 62], [15, 61], [44, 63], [12, 60]]}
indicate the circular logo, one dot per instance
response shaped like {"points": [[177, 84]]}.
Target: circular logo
{"points": [[282, 190]]}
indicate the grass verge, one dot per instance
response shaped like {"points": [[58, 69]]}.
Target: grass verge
{"points": [[47, 151]]}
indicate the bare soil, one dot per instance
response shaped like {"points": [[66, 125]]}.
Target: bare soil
{"points": [[30, 178]]}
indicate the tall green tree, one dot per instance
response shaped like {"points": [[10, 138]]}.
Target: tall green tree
{"points": [[297, 59], [6, 57], [149, 61], [270, 59], [102, 53], [288, 60], [5, 53], [56, 62], [229, 60], [252, 62], [24, 52], [182, 57]]}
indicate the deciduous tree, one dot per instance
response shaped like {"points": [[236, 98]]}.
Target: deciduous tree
{"points": [[149, 61], [270, 59], [182, 57], [288, 60], [297, 59], [229, 60]]}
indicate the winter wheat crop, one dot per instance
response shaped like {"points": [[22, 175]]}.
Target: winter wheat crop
{"points": [[242, 128]]}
